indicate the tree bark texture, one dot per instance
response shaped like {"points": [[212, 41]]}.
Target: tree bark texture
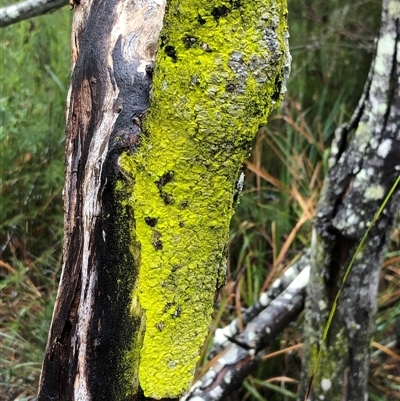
{"points": [[364, 165], [153, 156]]}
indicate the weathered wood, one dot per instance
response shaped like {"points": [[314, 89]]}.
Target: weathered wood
{"points": [[363, 167], [94, 342]]}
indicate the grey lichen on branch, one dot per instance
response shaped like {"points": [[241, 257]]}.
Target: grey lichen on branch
{"points": [[246, 349], [223, 336], [28, 9]]}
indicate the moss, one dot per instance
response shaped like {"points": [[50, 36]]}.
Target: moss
{"points": [[132, 360], [219, 72], [330, 367]]}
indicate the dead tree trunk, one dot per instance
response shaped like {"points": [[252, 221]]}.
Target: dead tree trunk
{"points": [[364, 166], [151, 182]]}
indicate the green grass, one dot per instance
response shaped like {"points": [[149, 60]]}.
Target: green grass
{"points": [[332, 45], [35, 63]]}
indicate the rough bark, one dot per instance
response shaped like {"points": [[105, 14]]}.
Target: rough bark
{"points": [[364, 165], [28, 9], [150, 187]]}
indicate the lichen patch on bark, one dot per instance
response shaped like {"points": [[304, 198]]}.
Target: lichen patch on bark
{"points": [[221, 68]]}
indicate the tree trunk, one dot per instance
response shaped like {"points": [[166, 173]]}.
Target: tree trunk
{"points": [[362, 171], [151, 185]]}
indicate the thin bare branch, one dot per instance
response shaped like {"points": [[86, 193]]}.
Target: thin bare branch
{"points": [[247, 348], [223, 335], [28, 9]]}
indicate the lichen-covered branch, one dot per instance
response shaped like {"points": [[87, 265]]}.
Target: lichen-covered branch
{"points": [[363, 167], [343, 370], [28, 9], [223, 336], [150, 185], [246, 349]]}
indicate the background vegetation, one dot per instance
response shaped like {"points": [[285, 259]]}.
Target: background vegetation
{"points": [[331, 45]]}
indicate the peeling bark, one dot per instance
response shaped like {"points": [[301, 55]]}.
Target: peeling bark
{"points": [[150, 185], [363, 168]]}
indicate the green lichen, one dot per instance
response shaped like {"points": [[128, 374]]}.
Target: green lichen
{"points": [[220, 69], [374, 192], [330, 366]]}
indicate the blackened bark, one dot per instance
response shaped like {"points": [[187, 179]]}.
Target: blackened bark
{"points": [[364, 165]]}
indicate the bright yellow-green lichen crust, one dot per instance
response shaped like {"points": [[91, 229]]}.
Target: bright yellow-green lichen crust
{"points": [[221, 68]]}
